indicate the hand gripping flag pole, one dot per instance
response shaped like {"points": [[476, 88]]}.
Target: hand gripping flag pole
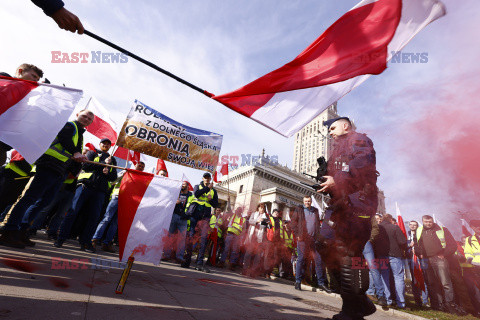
{"points": [[148, 63]]}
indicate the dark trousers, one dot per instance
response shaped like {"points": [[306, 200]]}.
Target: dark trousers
{"points": [[10, 189], [41, 191], [437, 276], [304, 249], [93, 199]]}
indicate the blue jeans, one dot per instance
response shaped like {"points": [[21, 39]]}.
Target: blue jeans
{"points": [[374, 272], [42, 190], [94, 200], [110, 221], [177, 225], [232, 249], [303, 249], [398, 270], [421, 297], [204, 228]]}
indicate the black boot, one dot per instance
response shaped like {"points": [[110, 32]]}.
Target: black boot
{"points": [[12, 238], [25, 237]]}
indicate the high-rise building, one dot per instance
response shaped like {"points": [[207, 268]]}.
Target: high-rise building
{"points": [[312, 142]]}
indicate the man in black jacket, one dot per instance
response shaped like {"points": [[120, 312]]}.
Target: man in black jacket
{"points": [[305, 224], [50, 174], [434, 246], [397, 244], [204, 198], [93, 186], [351, 183]]}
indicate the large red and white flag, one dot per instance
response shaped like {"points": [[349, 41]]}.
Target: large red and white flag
{"points": [[145, 208], [356, 46], [31, 114], [400, 222], [220, 173], [466, 229]]}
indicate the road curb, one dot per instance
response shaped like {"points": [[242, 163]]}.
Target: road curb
{"points": [[389, 311]]}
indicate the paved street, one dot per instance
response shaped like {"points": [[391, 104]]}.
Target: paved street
{"points": [[44, 283]]}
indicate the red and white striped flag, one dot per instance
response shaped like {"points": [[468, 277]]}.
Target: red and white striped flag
{"points": [[466, 229], [145, 208], [128, 155], [400, 221], [356, 46], [103, 126], [31, 114], [218, 174]]}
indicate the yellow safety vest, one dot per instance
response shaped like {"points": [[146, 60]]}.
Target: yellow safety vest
{"points": [[116, 189], [440, 234], [237, 225], [56, 149], [288, 239], [202, 200], [282, 231], [214, 223], [472, 250], [86, 175], [12, 166]]}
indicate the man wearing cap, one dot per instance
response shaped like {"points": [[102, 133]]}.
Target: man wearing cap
{"points": [[351, 183], [94, 182], [472, 275], [199, 209]]}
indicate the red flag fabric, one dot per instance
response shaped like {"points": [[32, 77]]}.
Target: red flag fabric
{"points": [[103, 125], [15, 156], [26, 104], [357, 45], [418, 274], [400, 221], [128, 155], [219, 173], [145, 208], [90, 147], [184, 178], [160, 166]]}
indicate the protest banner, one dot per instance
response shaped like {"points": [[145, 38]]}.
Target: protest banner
{"points": [[150, 132]]}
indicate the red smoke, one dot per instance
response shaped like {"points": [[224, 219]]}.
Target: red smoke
{"points": [[442, 145]]}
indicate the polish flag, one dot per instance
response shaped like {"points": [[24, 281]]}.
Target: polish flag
{"points": [[419, 281], [160, 166], [184, 178], [90, 146], [145, 208], [31, 114], [218, 174], [466, 229], [400, 221], [103, 126], [356, 46], [128, 155]]}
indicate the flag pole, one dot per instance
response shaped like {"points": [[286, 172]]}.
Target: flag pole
{"points": [[148, 63], [104, 164], [128, 158]]}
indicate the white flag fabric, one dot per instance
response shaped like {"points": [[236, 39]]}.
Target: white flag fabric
{"points": [[32, 114], [145, 207]]}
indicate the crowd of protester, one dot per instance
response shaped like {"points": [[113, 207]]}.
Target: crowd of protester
{"points": [[73, 194]]}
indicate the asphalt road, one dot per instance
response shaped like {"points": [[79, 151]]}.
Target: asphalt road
{"points": [[49, 283]]}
